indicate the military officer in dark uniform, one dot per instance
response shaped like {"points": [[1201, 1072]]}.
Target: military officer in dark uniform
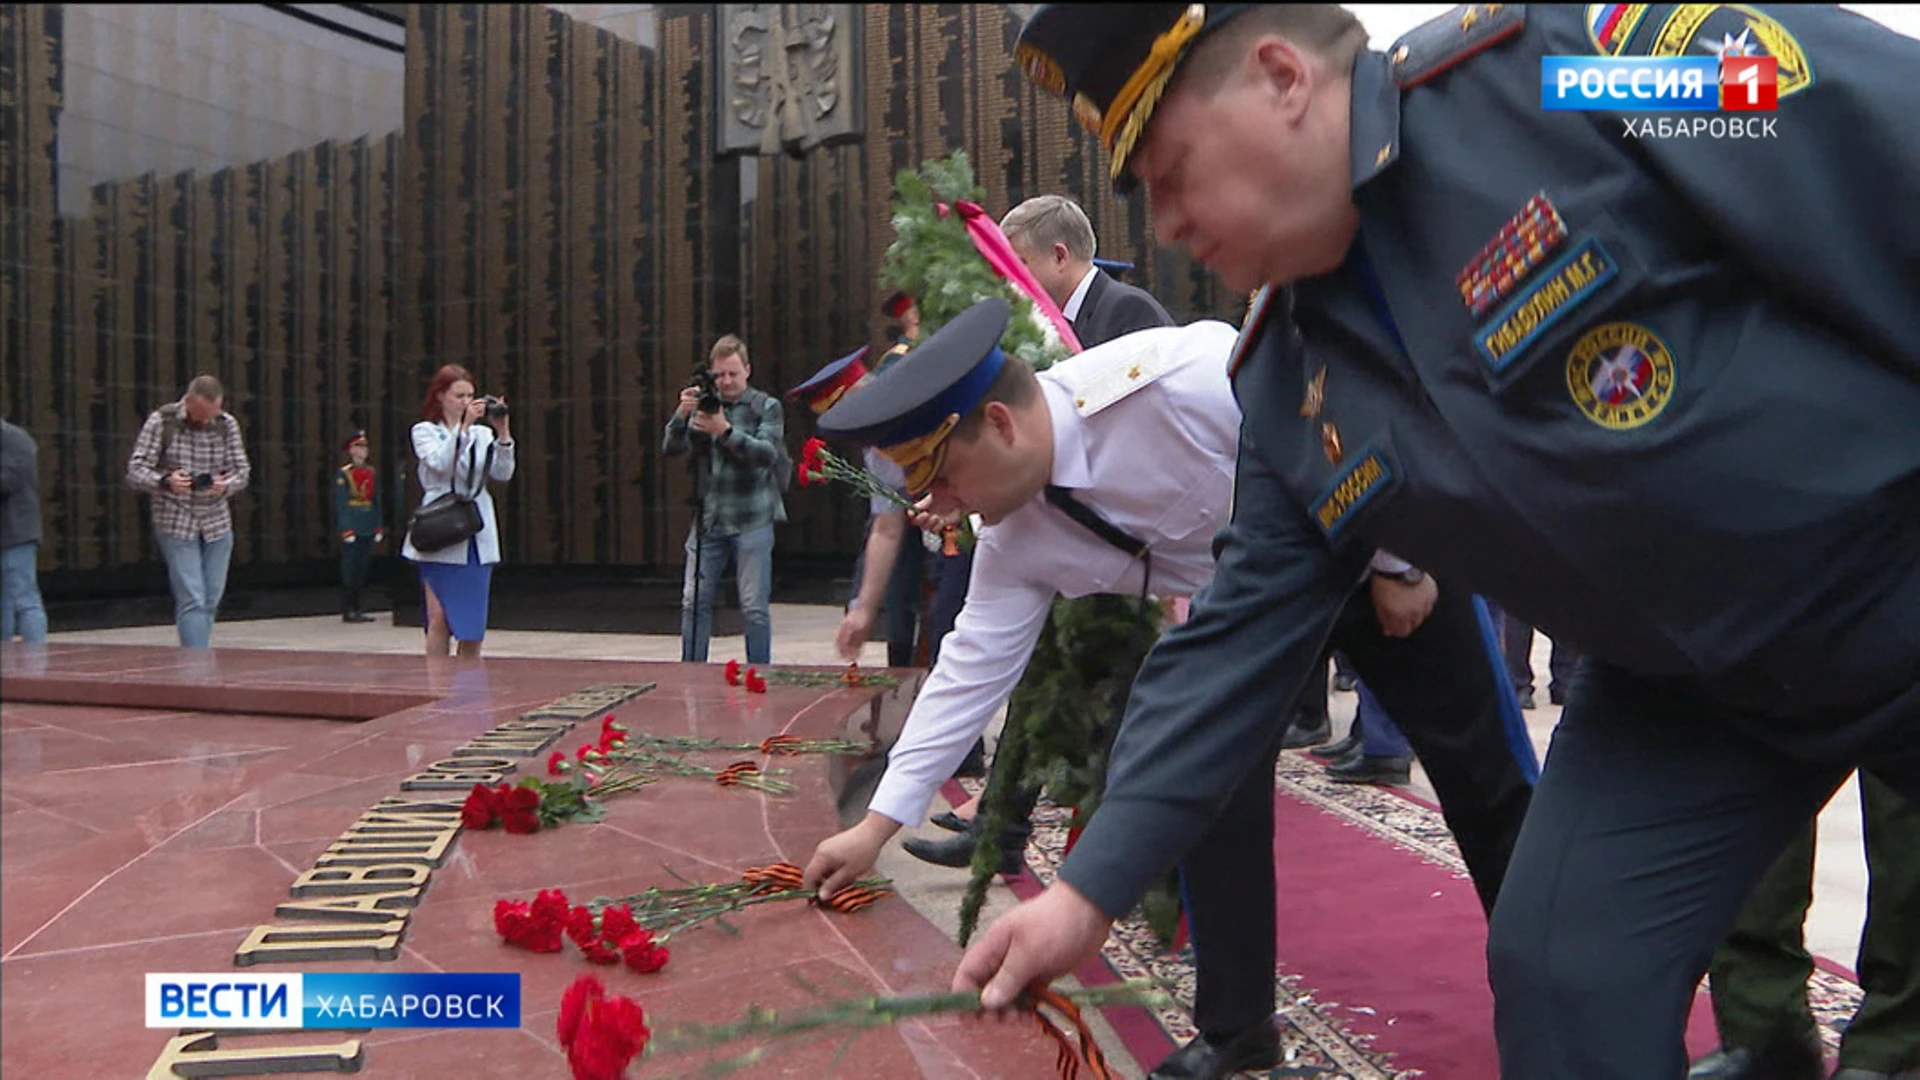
{"points": [[1657, 397], [358, 523]]}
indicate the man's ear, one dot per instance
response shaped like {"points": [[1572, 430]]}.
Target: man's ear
{"points": [[1287, 73], [1001, 421], [1061, 256]]}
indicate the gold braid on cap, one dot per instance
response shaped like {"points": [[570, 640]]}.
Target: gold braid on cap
{"points": [[922, 457], [1127, 117], [821, 404], [1042, 69]]}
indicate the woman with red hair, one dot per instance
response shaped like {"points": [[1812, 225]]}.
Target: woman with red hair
{"points": [[458, 454]]}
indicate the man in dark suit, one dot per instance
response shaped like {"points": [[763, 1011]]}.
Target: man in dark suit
{"points": [[1052, 235]]}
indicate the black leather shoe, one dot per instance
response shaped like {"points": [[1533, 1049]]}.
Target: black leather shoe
{"points": [[1526, 699], [1372, 770], [951, 821], [957, 852], [1334, 751], [1343, 682], [1299, 737], [1206, 1059], [974, 765], [1785, 1059]]}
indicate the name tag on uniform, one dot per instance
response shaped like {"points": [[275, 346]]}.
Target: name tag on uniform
{"points": [[1549, 297], [1360, 483]]}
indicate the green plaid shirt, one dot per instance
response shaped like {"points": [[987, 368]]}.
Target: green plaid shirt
{"points": [[748, 462]]}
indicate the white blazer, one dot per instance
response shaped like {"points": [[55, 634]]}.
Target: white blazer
{"points": [[444, 468]]}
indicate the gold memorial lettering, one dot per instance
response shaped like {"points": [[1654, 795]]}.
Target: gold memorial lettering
{"points": [[371, 907], [312, 942], [360, 880], [198, 1053]]}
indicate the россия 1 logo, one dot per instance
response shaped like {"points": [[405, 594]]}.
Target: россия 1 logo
{"points": [[1659, 83], [1641, 84]]}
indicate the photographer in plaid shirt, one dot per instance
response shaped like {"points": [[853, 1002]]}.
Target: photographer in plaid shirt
{"points": [[189, 458]]}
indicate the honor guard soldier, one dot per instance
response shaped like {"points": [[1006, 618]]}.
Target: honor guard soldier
{"points": [[1110, 474], [1657, 397], [358, 523]]}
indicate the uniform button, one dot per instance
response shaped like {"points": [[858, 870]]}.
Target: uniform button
{"points": [[1380, 158], [1079, 403], [1400, 55]]}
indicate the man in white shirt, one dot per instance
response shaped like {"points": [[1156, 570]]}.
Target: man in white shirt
{"points": [[1139, 438]]}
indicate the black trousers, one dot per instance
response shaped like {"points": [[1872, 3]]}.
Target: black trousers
{"points": [[1654, 819], [1442, 687]]}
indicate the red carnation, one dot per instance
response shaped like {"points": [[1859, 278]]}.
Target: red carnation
{"points": [[641, 954], [585, 991], [607, 723], [520, 822], [755, 684], [477, 812], [585, 749], [607, 1035], [733, 673], [609, 740], [580, 925], [557, 763], [528, 926], [616, 923], [520, 798]]}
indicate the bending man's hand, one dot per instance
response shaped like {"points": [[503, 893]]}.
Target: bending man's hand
{"points": [[1400, 607], [842, 858], [855, 629], [1039, 941]]}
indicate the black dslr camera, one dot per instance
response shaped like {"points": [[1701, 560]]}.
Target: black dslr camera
{"points": [[495, 407], [202, 481], [709, 390]]}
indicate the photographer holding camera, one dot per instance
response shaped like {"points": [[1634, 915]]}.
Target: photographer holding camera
{"points": [[736, 437], [454, 538], [189, 458]]}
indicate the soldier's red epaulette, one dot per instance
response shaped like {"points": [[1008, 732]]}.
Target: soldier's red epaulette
{"points": [[1438, 44], [1264, 302]]}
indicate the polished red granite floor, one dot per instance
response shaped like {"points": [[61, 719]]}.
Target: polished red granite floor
{"points": [[156, 805]]}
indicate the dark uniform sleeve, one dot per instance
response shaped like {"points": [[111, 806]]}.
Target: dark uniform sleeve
{"points": [[1824, 209], [1214, 691]]}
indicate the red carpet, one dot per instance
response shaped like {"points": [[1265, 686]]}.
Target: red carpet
{"points": [[1381, 940]]}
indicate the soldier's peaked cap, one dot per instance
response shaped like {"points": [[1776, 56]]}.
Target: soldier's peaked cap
{"points": [[1113, 61], [824, 387], [907, 411]]}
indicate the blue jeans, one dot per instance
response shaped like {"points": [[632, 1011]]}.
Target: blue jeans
{"points": [[751, 553], [198, 571], [20, 607]]}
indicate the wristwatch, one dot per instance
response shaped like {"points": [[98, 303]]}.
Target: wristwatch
{"points": [[1412, 575]]}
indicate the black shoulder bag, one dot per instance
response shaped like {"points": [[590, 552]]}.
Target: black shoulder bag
{"points": [[451, 518]]}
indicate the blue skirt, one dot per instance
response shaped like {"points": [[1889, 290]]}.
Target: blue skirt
{"points": [[462, 591]]}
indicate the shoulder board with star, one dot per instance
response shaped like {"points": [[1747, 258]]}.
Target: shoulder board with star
{"points": [[1442, 43], [1098, 381]]}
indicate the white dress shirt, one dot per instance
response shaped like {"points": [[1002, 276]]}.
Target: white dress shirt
{"points": [[1079, 297], [1157, 463], [444, 467]]}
